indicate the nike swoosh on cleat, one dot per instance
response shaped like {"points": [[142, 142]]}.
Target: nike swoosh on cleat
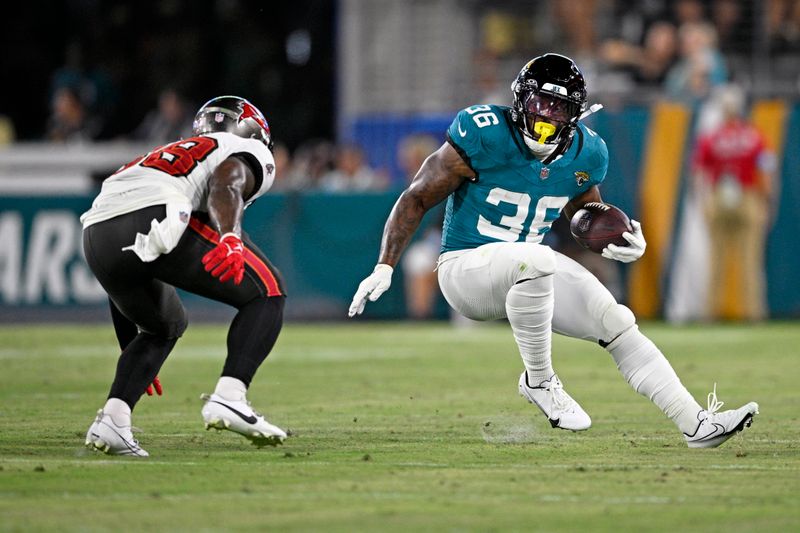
{"points": [[132, 448], [249, 419], [719, 430]]}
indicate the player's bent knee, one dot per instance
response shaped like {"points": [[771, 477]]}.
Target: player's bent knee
{"points": [[170, 329], [537, 259], [177, 328], [616, 319], [174, 327]]}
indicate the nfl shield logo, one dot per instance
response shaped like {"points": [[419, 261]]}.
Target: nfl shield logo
{"points": [[184, 216], [219, 117], [544, 174]]}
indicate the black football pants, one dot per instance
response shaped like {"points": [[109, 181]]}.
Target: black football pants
{"points": [[149, 317]]}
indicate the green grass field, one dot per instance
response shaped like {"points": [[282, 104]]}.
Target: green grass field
{"points": [[399, 427]]}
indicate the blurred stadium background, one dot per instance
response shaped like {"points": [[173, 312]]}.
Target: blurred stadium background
{"points": [[357, 92]]}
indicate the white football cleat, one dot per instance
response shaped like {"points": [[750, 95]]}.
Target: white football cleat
{"points": [[559, 407], [239, 417], [106, 436], [715, 428]]}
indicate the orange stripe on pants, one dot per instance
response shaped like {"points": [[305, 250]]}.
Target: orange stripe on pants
{"points": [[252, 260]]}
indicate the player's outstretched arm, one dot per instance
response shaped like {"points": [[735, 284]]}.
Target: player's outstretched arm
{"points": [[442, 173], [228, 188]]}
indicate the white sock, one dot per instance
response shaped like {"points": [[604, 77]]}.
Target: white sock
{"points": [[119, 412], [231, 389], [649, 373], [529, 308]]}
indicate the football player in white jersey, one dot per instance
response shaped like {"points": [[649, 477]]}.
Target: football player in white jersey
{"points": [[173, 218], [507, 173]]}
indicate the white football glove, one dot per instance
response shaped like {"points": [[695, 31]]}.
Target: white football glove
{"points": [[630, 253], [372, 287]]}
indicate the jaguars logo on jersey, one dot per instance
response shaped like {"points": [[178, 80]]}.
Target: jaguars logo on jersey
{"points": [[581, 177]]}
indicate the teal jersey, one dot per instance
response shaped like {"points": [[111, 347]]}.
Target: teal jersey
{"points": [[514, 198]]}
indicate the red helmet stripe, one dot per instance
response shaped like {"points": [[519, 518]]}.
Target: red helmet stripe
{"points": [[248, 111]]}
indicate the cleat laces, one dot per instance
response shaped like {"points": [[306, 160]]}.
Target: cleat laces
{"points": [[561, 400], [713, 404]]}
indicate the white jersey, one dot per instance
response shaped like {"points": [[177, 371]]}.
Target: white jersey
{"points": [[178, 174]]}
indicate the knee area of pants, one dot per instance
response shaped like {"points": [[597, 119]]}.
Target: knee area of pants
{"points": [[616, 319], [537, 259], [176, 328], [276, 303], [168, 330]]}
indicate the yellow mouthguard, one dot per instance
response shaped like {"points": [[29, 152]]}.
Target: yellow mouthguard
{"points": [[544, 130]]}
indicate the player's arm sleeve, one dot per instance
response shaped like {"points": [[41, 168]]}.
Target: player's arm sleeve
{"points": [[600, 163], [258, 157], [465, 139]]}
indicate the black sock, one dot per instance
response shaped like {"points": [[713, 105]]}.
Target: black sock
{"points": [[252, 335], [138, 366]]}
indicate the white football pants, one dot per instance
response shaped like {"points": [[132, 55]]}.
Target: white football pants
{"points": [[507, 280], [484, 283], [476, 282]]}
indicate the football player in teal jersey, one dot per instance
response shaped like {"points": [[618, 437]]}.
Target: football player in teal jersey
{"points": [[507, 173]]}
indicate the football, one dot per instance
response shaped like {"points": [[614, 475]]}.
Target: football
{"points": [[596, 225]]}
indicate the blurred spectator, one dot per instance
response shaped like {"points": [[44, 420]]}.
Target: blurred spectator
{"points": [[419, 260], [577, 20], [7, 133], [171, 120], [90, 81], [648, 64], [283, 166], [312, 160], [783, 25], [700, 67], [412, 150], [632, 18], [688, 12], [489, 87], [419, 272], [352, 173], [728, 19], [69, 120], [734, 176]]}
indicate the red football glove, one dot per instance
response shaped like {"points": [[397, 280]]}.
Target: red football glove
{"points": [[226, 261], [157, 384]]}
